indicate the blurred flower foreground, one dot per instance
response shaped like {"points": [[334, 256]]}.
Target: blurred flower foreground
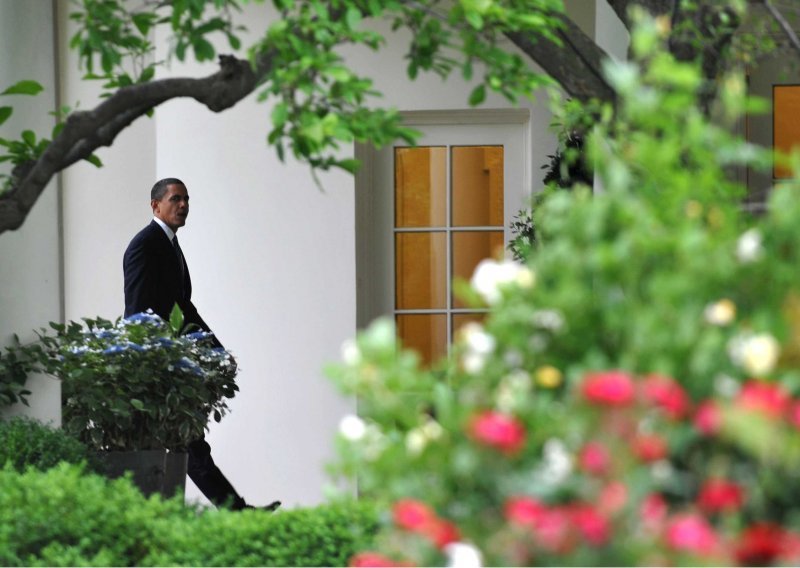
{"points": [[633, 395]]}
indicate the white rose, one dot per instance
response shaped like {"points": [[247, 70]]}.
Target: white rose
{"points": [[490, 276], [748, 247], [352, 428], [462, 555]]}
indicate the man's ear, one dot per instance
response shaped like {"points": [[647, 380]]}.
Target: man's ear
{"points": [[153, 204]]}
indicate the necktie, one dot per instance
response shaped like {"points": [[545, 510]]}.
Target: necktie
{"points": [[179, 254]]}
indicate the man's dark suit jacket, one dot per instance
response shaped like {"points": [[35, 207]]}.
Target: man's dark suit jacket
{"points": [[153, 277]]}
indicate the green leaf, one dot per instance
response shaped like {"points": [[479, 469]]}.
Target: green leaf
{"points": [[176, 319], [95, 161], [279, 115], [203, 50], [26, 87], [5, 112], [143, 22], [353, 17], [137, 404], [478, 95], [351, 165], [29, 137]]}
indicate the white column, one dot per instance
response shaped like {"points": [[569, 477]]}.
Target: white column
{"points": [[30, 280]]}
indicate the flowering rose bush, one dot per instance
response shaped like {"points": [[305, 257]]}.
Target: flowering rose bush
{"points": [[136, 383], [633, 396]]}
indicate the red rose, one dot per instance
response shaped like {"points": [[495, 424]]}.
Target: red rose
{"points": [[719, 495], [594, 458], [498, 431], [768, 398], [650, 447], [366, 559], [417, 517], [592, 525], [523, 510], [691, 533], [708, 419], [666, 394], [614, 388], [412, 515], [759, 545]]}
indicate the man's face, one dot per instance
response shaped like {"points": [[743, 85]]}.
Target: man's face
{"points": [[173, 208]]}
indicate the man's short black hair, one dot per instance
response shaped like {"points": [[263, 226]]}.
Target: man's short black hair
{"points": [[160, 188]]}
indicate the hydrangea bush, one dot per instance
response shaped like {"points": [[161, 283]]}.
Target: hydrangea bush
{"points": [[137, 383], [633, 397]]}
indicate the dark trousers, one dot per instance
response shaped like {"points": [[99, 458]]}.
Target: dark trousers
{"points": [[209, 479]]}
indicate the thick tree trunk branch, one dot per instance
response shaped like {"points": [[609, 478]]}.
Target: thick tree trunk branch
{"points": [[576, 65], [794, 41], [85, 132]]}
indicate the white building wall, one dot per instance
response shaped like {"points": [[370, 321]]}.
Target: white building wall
{"points": [[30, 289]]}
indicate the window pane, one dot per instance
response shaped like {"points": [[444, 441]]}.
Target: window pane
{"points": [[786, 122], [420, 270], [420, 178], [477, 186], [426, 334], [471, 247]]}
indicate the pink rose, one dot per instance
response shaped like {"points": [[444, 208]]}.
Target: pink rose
{"points": [[499, 431], [412, 515], [691, 533], [367, 559], [667, 394], [523, 510], [768, 398], [594, 458], [708, 418], [650, 447], [613, 388], [653, 512]]}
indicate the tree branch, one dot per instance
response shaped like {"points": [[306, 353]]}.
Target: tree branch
{"points": [[793, 39], [85, 132], [576, 65]]}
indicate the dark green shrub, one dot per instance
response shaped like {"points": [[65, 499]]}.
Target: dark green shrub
{"points": [[25, 442], [13, 375], [66, 517], [327, 535]]}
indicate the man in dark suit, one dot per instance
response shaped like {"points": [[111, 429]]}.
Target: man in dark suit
{"points": [[157, 277]]}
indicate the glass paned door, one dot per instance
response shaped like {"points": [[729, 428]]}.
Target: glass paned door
{"points": [[448, 217], [428, 215]]}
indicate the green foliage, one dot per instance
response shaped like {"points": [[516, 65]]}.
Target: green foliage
{"points": [[137, 383], [27, 443], [13, 376], [656, 321], [65, 517], [322, 104], [323, 536]]}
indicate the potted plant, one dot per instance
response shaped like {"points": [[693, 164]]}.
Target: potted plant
{"points": [[137, 390]]}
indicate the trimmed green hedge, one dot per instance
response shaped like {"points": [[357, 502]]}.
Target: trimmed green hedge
{"points": [[66, 517], [27, 443]]}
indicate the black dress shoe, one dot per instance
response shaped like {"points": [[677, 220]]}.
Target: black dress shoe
{"points": [[271, 507]]}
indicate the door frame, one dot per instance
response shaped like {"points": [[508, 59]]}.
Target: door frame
{"points": [[368, 262]]}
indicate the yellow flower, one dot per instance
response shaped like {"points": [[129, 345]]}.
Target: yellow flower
{"points": [[548, 377]]}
